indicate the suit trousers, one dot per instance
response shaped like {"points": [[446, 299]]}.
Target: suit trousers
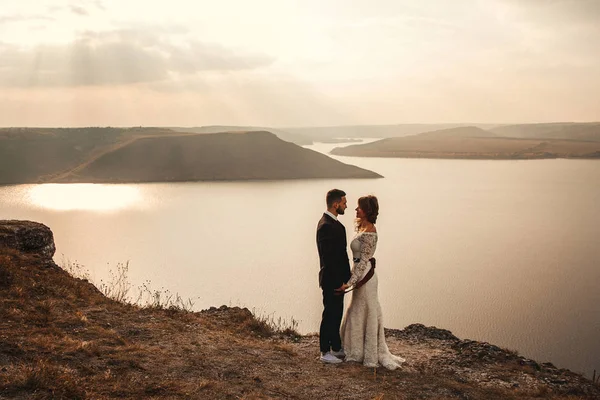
{"points": [[329, 333]]}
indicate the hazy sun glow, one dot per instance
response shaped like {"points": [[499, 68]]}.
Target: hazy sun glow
{"points": [[282, 63], [84, 196]]}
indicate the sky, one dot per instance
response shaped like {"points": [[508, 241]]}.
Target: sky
{"points": [[283, 63]]}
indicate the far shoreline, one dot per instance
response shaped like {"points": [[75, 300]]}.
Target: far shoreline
{"points": [[474, 158]]}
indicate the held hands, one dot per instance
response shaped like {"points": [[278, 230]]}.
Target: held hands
{"points": [[345, 286], [342, 288]]}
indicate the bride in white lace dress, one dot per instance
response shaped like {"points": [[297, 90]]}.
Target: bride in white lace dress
{"points": [[362, 328]]}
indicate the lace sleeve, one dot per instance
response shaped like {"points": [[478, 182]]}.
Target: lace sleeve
{"points": [[368, 242]]}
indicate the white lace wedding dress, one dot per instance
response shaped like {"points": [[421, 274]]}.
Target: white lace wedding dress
{"points": [[362, 327]]}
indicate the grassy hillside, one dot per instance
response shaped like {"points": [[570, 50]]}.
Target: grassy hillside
{"points": [[63, 338], [222, 156], [374, 131], [39, 155], [567, 130], [472, 143], [29, 155], [454, 133], [296, 138]]}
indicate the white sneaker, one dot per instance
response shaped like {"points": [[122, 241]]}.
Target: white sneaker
{"points": [[339, 354], [329, 358]]}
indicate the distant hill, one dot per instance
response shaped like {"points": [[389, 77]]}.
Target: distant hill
{"points": [[559, 130], [325, 134], [307, 135], [38, 155], [297, 138], [454, 133], [28, 155], [472, 143], [222, 156]]}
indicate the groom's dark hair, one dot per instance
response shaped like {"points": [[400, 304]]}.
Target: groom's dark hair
{"points": [[334, 195]]}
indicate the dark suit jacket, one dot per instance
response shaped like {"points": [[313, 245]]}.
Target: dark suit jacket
{"points": [[333, 256]]}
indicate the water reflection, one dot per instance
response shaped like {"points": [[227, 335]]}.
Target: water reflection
{"points": [[84, 196]]}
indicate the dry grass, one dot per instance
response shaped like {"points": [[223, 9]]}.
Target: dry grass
{"points": [[119, 288], [277, 325], [46, 380], [60, 337], [286, 348]]}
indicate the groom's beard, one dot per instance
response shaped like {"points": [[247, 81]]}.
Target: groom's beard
{"points": [[340, 211]]}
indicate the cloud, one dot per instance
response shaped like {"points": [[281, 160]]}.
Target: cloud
{"points": [[80, 7], [100, 4], [558, 31], [115, 58], [75, 9], [85, 8], [4, 19], [565, 11]]}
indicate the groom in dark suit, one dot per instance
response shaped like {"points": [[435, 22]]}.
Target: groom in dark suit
{"points": [[334, 272]]}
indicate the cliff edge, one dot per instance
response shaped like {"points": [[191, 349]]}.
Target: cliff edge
{"points": [[60, 337]]}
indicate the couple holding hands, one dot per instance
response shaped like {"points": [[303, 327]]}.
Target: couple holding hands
{"points": [[361, 331]]}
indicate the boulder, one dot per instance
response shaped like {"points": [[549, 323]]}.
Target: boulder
{"points": [[27, 237]]}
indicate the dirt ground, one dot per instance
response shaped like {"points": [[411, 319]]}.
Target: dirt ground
{"points": [[60, 338]]}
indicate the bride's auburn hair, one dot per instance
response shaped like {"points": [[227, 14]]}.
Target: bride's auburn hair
{"points": [[370, 206]]}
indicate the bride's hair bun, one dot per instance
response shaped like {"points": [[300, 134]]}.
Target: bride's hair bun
{"points": [[370, 206]]}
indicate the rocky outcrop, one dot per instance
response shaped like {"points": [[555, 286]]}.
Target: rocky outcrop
{"points": [[420, 331], [27, 237], [434, 351]]}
